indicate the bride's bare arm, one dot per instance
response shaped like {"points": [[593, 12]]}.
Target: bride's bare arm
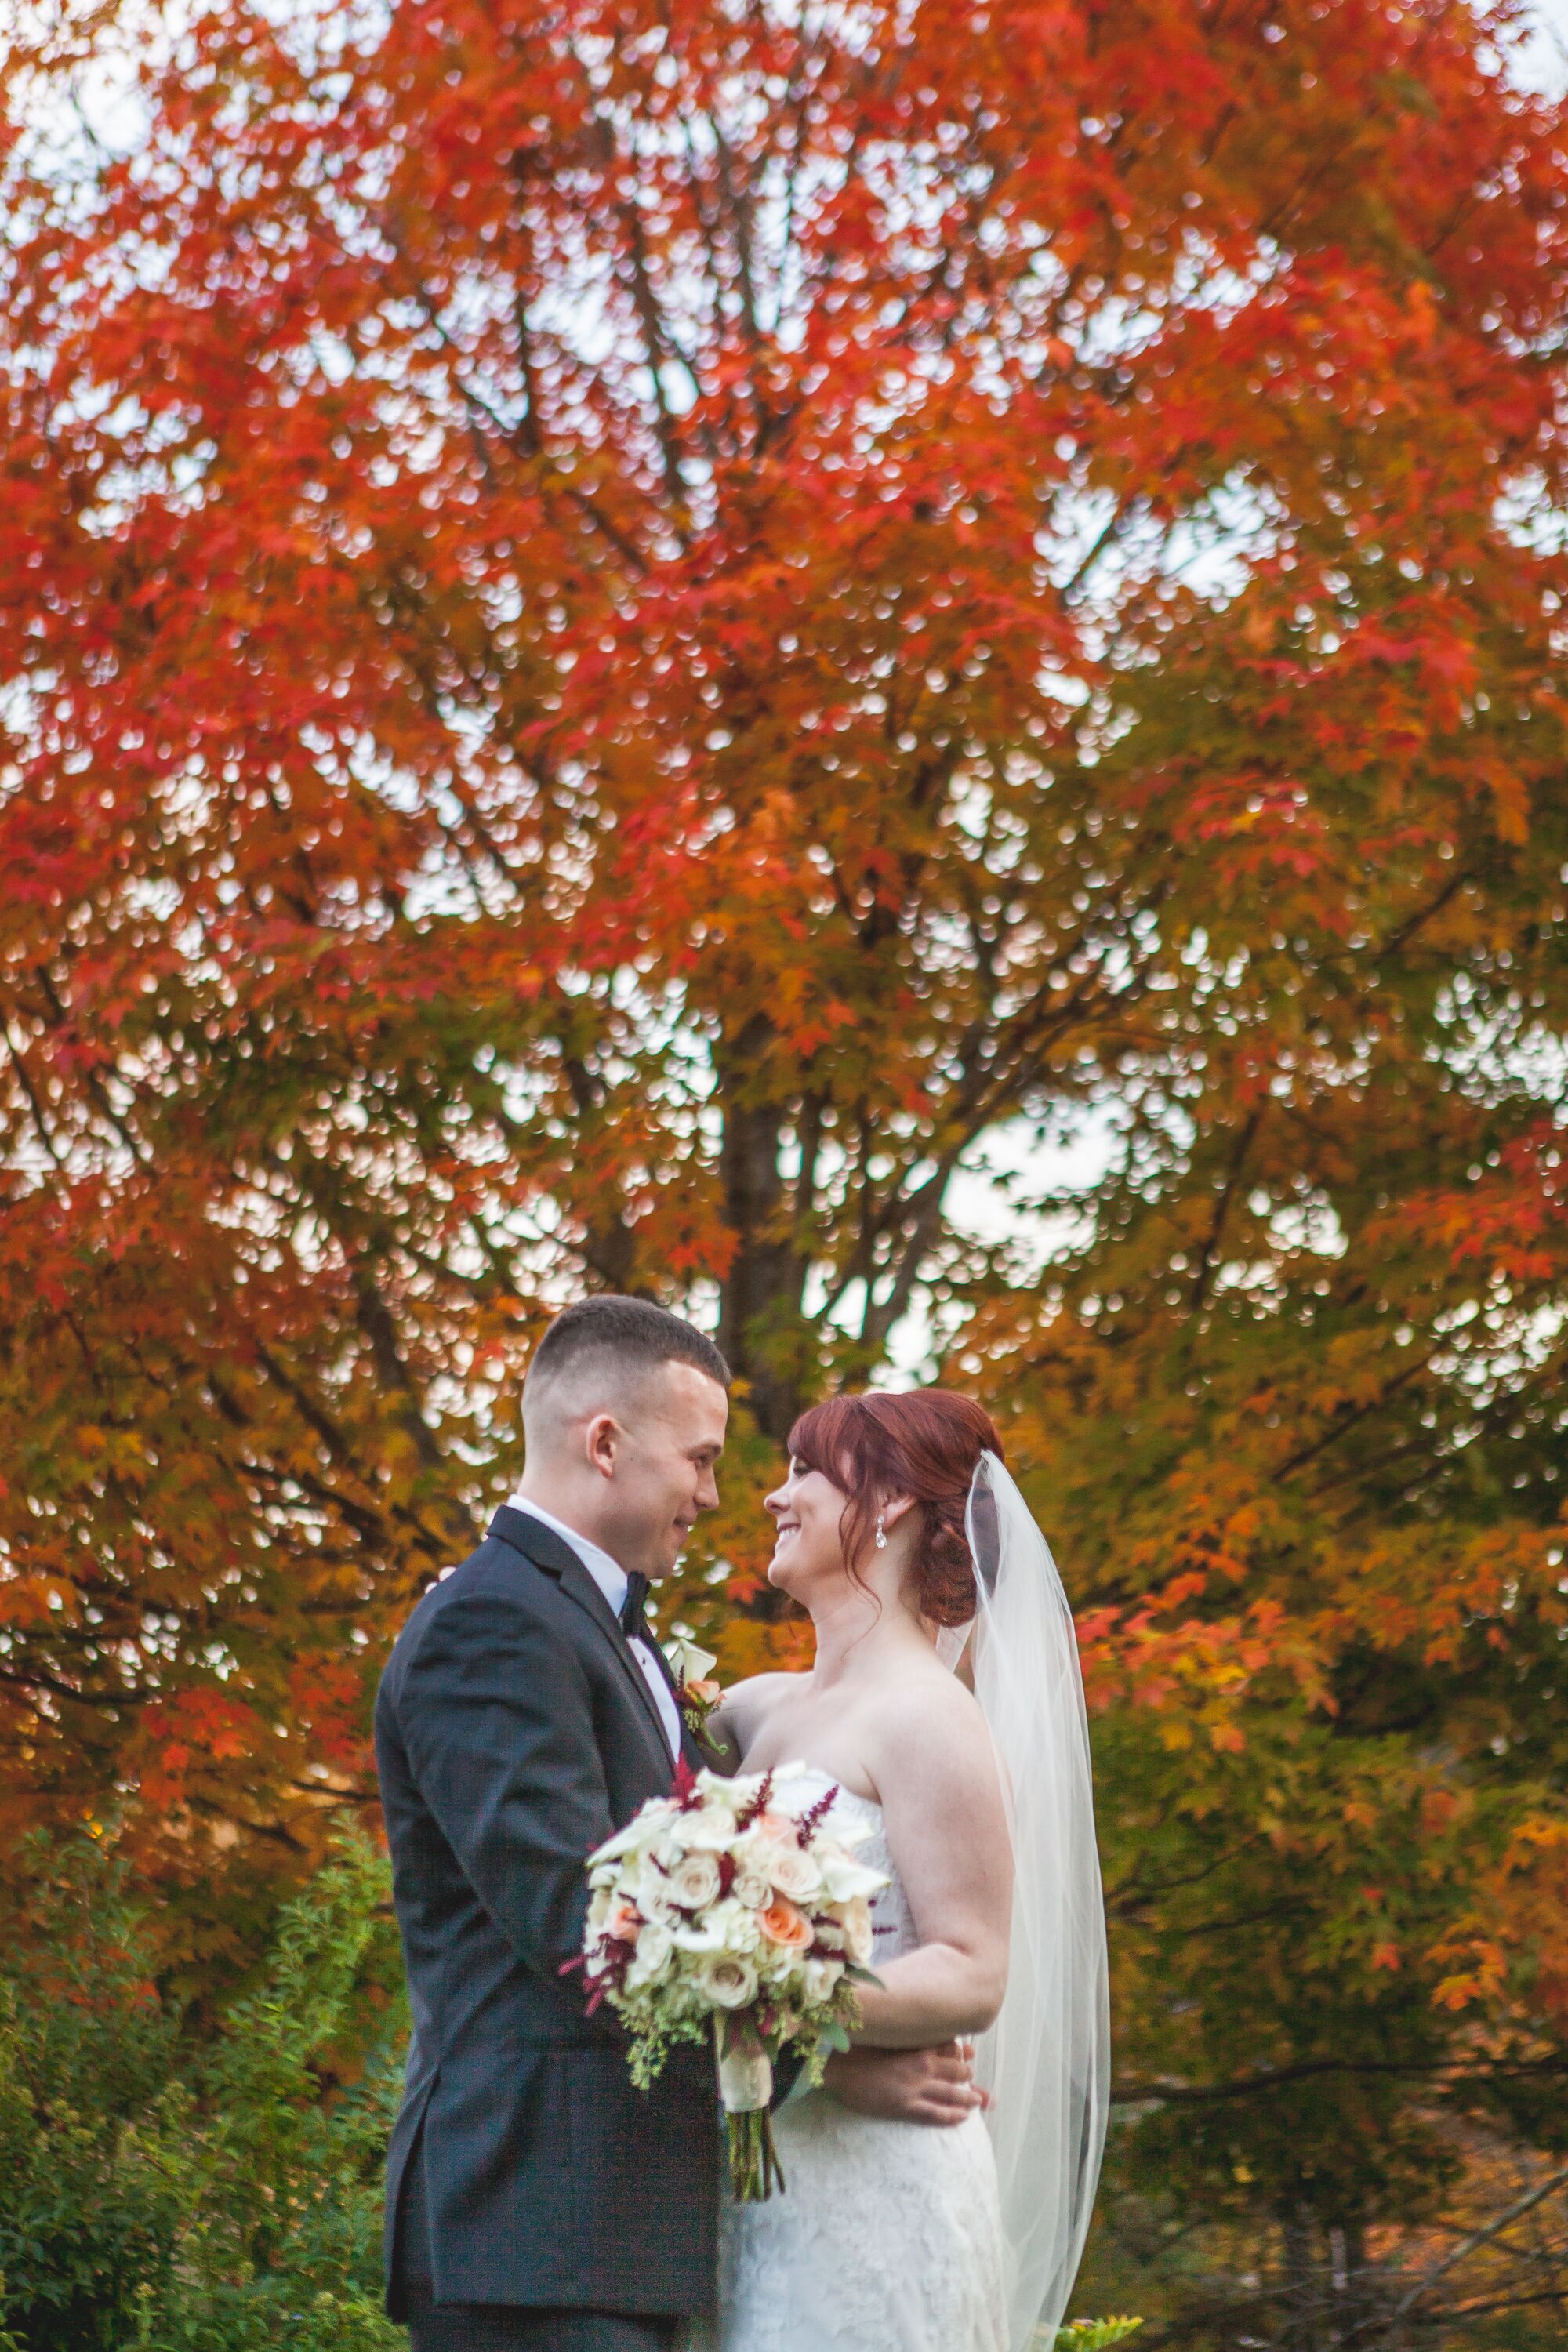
{"points": [[947, 1832]]}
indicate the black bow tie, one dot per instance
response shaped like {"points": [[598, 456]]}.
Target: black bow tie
{"points": [[633, 1622]]}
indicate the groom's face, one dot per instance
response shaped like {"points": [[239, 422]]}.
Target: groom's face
{"points": [[667, 1439]]}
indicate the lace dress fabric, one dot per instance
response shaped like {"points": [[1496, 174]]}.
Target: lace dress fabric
{"points": [[888, 2237]]}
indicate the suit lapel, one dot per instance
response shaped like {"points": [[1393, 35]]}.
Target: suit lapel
{"points": [[555, 1556]]}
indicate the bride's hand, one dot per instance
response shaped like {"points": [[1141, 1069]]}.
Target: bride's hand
{"points": [[910, 2087]]}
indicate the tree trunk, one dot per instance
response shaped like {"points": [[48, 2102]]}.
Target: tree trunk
{"points": [[1303, 2284], [760, 1327]]}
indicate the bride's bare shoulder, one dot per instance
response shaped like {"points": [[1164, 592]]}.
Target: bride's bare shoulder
{"points": [[747, 1703], [927, 1713]]}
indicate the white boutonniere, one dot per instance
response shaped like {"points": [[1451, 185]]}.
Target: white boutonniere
{"points": [[697, 1694]]}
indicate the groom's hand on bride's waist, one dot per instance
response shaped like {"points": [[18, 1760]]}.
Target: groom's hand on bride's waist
{"points": [[912, 2087]]}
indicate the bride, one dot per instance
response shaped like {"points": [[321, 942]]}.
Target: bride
{"points": [[902, 1534]]}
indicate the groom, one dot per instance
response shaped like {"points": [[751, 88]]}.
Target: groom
{"points": [[534, 2198]]}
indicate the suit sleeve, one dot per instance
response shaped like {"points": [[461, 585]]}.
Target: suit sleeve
{"points": [[496, 1724]]}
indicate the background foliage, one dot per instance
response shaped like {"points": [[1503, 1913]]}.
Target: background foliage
{"points": [[631, 640], [183, 2193]]}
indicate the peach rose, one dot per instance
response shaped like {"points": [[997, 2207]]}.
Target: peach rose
{"points": [[625, 1923], [782, 1923], [774, 1827]]}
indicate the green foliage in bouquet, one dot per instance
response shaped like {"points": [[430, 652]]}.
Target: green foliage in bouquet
{"points": [[1094, 2334], [169, 2194]]}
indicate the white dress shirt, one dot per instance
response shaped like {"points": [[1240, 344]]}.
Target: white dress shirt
{"points": [[611, 1579]]}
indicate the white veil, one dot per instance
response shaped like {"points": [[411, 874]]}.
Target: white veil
{"points": [[1046, 2060]]}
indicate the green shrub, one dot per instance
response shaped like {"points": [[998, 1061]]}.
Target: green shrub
{"points": [[168, 2195], [181, 2197]]}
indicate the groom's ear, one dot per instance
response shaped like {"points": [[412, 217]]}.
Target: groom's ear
{"points": [[602, 1435]]}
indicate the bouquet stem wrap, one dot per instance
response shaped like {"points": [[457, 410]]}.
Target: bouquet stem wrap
{"points": [[746, 2087]]}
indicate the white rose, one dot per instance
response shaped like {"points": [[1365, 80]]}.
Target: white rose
{"points": [[793, 1873], [819, 1978], [752, 1888], [656, 1948], [856, 1919], [709, 1830], [746, 1851], [653, 1900], [758, 1848], [694, 1882], [729, 1982], [654, 1945]]}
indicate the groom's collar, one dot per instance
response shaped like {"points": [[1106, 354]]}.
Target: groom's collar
{"points": [[534, 1540], [555, 1555], [607, 1573]]}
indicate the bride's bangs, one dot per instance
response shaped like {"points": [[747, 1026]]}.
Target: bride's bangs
{"points": [[924, 1442], [819, 1440], [840, 1440]]}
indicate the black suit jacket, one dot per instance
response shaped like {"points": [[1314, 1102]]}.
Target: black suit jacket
{"points": [[514, 1731]]}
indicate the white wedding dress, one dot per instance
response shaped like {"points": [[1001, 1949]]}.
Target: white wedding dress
{"points": [[888, 2236]]}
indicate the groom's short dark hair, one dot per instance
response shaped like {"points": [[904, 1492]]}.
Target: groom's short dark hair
{"points": [[637, 1335]]}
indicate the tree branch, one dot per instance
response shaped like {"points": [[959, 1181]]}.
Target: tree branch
{"points": [[1222, 1208], [1478, 2238]]}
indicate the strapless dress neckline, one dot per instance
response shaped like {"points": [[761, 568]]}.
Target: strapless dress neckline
{"points": [[794, 1773]]}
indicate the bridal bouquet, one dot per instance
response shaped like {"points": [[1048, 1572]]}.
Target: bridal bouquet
{"points": [[722, 1910]]}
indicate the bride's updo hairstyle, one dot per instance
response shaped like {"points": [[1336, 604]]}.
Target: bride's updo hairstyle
{"points": [[924, 1444]]}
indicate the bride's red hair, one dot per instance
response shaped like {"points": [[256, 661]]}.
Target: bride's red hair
{"points": [[924, 1442]]}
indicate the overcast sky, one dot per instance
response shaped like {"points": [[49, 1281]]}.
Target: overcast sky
{"points": [[1545, 64]]}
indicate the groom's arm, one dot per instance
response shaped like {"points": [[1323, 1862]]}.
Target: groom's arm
{"points": [[497, 1722]]}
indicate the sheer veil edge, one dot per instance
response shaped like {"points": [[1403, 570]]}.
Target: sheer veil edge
{"points": [[1046, 2060]]}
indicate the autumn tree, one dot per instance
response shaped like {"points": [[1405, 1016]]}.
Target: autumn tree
{"points": [[627, 633]]}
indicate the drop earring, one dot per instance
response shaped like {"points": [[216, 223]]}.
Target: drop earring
{"points": [[881, 1532]]}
